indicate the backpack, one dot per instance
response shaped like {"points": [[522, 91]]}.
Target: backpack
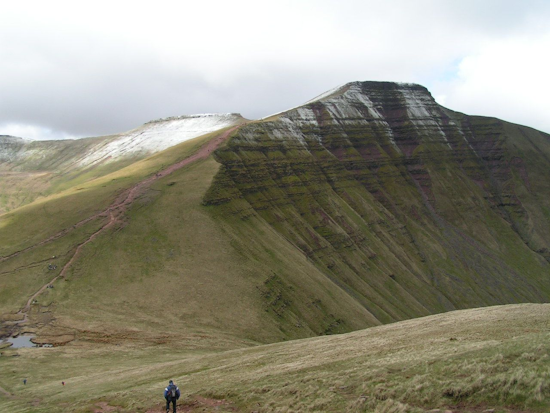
{"points": [[172, 391]]}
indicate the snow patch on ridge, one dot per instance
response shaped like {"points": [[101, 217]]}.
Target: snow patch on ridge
{"points": [[11, 147], [353, 106], [362, 104], [307, 115], [315, 99], [418, 105], [326, 94], [355, 93], [158, 135], [293, 130]]}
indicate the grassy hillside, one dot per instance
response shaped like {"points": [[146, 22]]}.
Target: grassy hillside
{"points": [[27, 228], [238, 279], [47, 167], [466, 361]]}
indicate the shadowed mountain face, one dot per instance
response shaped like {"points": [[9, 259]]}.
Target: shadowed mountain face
{"points": [[406, 206], [367, 205]]}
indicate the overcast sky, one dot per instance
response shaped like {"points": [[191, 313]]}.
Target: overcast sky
{"points": [[76, 69]]}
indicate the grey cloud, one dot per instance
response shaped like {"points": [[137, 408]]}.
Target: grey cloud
{"points": [[88, 83]]}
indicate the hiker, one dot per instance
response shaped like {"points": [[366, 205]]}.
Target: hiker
{"points": [[171, 394], [25, 382]]}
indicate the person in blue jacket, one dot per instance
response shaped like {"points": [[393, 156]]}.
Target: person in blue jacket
{"points": [[171, 394]]}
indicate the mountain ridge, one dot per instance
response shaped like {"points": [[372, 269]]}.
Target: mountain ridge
{"points": [[44, 167], [370, 205]]}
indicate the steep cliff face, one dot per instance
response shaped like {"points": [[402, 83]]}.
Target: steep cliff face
{"points": [[406, 206]]}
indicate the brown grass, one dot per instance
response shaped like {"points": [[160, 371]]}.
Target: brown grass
{"points": [[464, 361]]}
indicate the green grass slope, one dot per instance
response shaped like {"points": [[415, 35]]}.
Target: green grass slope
{"points": [[48, 167], [491, 359], [174, 269]]}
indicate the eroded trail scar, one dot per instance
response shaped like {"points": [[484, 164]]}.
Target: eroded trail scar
{"points": [[117, 210], [5, 392]]}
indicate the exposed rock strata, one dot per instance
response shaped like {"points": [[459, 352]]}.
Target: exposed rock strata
{"points": [[407, 206]]}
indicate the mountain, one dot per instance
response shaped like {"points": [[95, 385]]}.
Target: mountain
{"points": [[367, 205], [406, 206]]}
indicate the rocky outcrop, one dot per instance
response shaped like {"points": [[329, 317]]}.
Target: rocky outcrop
{"points": [[405, 205]]}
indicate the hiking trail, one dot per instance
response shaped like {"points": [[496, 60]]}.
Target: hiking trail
{"points": [[115, 212], [5, 392]]}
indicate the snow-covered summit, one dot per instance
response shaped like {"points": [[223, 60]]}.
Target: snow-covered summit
{"points": [[355, 86], [204, 116], [157, 135], [152, 137], [367, 104], [327, 94], [10, 138]]}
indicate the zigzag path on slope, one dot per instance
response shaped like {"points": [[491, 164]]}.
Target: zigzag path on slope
{"points": [[115, 212]]}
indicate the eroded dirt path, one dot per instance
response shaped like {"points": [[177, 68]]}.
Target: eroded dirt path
{"points": [[129, 195], [5, 392], [115, 212]]}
